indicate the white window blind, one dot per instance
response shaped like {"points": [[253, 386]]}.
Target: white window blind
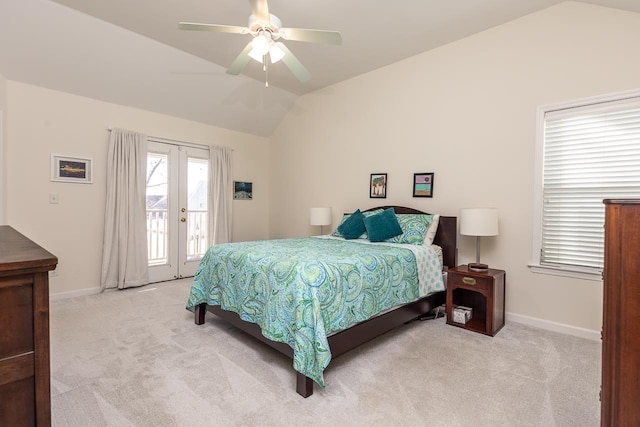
{"points": [[591, 153]]}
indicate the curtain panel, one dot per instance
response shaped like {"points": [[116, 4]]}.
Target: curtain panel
{"points": [[221, 198], [124, 258]]}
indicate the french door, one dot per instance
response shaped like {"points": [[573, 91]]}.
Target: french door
{"points": [[177, 217]]}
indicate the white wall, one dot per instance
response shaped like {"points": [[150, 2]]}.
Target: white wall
{"points": [[42, 121], [3, 133], [466, 111]]}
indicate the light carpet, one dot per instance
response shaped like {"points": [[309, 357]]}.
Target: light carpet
{"points": [[136, 358]]}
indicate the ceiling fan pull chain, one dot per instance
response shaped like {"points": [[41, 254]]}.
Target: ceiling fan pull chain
{"points": [[266, 71]]}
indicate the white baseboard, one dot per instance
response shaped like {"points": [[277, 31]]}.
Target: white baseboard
{"points": [[72, 294], [553, 326]]}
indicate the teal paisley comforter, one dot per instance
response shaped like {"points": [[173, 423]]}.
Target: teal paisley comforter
{"points": [[301, 290]]}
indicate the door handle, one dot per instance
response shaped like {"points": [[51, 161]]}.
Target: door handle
{"points": [[183, 219], [183, 210]]}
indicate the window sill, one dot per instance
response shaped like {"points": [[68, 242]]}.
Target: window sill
{"points": [[576, 273]]}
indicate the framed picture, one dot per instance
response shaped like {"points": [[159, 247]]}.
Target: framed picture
{"points": [[423, 184], [378, 186], [242, 190], [71, 169]]}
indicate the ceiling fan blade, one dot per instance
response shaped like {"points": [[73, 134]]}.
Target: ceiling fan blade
{"points": [[241, 61], [193, 26], [295, 65], [260, 10], [314, 36]]}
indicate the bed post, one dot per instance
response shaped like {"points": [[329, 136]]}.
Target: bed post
{"points": [[199, 312], [304, 385]]}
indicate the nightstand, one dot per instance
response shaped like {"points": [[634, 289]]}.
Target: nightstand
{"points": [[483, 292]]}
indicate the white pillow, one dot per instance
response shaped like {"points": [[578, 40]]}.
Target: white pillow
{"points": [[431, 231]]}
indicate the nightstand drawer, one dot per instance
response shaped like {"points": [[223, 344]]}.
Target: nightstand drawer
{"points": [[471, 282]]}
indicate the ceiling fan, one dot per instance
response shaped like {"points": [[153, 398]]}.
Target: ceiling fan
{"points": [[266, 30]]}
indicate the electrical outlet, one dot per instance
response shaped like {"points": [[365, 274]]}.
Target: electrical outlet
{"points": [[53, 273]]}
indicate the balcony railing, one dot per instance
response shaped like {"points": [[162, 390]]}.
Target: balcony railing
{"points": [[196, 234], [157, 235], [157, 242]]}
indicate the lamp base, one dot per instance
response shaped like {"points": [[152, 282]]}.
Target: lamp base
{"points": [[476, 266]]}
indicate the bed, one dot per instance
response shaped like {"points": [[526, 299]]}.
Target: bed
{"points": [[310, 301]]}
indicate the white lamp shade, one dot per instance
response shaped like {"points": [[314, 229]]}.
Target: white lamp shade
{"points": [[479, 222], [260, 47], [260, 44], [276, 53], [320, 216], [256, 55]]}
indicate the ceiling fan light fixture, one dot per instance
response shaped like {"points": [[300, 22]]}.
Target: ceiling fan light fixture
{"points": [[261, 42], [260, 46], [267, 30], [254, 54], [276, 53]]}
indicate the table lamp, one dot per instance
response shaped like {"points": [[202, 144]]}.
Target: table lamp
{"points": [[321, 217], [478, 222]]}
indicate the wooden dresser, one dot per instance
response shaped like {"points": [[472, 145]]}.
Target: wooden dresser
{"points": [[621, 315], [25, 398]]}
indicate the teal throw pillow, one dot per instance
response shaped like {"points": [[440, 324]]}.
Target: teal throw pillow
{"points": [[382, 226], [336, 232], [352, 227]]}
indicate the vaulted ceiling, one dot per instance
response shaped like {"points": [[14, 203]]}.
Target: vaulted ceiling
{"points": [[131, 52]]}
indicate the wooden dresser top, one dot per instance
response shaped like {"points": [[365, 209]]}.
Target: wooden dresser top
{"points": [[18, 253]]}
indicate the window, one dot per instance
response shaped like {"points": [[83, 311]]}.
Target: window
{"points": [[586, 151]]}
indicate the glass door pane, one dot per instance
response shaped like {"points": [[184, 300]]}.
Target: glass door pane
{"points": [[157, 208], [162, 211], [197, 196], [194, 178]]}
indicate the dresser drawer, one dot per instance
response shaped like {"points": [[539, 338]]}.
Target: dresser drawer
{"points": [[471, 282], [16, 316]]}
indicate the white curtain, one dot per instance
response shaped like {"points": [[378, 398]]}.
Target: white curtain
{"points": [[124, 256], [221, 198]]}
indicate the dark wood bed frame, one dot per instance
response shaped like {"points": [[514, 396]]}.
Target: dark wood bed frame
{"points": [[348, 339]]}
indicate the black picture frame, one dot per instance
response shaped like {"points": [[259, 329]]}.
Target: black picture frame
{"points": [[423, 184], [242, 190], [378, 186]]}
